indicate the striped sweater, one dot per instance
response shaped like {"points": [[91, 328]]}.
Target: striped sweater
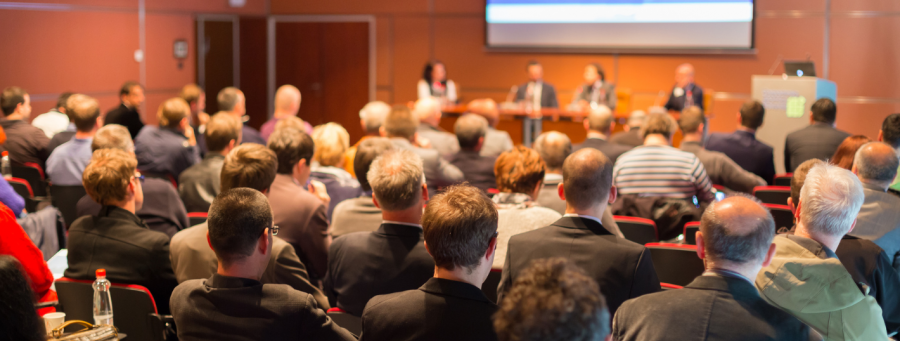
{"points": [[662, 171]]}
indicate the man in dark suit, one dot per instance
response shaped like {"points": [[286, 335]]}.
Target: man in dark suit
{"points": [[685, 93], [24, 142], [742, 146], [631, 136], [626, 270], [116, 239], [599, 125], [478, 170], [735, 242], [360, 214], [536, 93], [199, 184], [817, 141], [167, 149], [363, 265], [234, 304], [132, 96], [461, 232], [400, 126]]}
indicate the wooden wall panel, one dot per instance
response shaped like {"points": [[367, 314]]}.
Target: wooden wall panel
{"points": [[864, 5], [858, 70], [348, 6]]}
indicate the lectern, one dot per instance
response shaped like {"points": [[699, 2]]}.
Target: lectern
{"points": [[787, 101]]}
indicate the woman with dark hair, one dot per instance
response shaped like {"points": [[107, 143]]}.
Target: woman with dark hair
{"points": [[19, 320], [434, 83], [846, 152], [595, 90]]}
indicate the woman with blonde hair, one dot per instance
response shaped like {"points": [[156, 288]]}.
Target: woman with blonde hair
{"points": [[331, 142]]}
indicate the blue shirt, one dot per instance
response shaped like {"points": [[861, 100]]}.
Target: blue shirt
{"points": [[745, 150], [67, 162], [164, 151]]}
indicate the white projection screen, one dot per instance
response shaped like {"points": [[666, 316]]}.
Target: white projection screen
{"points": [[621, 25]]}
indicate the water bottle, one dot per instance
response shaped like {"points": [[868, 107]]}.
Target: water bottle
{"points": [[103, 310], [5, 168]]}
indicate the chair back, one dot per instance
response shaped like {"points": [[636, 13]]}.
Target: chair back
{"points": [[349, 322], [638, 230], [772, 194], [134, 310], [676, 263], [782, 215], [690, 232], [489, 288], [24, 190], [783, 179], [197, 218], [65, 198], [32, 173]]}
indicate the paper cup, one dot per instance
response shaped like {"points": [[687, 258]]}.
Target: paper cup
{"points": [[53, 320]]}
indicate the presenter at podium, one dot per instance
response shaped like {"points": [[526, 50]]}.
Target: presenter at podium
{"points": [[685, 93], [595, 91], [536, 93], [434, 83]]}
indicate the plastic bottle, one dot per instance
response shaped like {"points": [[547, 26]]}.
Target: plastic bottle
{"points": [[103, 310], [5, 168]]}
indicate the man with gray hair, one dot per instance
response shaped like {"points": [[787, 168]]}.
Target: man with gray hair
{"points": [[805, 277], [478, 170], [599, 124], [428, 110], [231, 101], [363, 265], [735, 242], [879, 219], [371, 118], [631, 136]]}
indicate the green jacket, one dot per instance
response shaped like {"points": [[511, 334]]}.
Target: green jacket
{"points": [[815, 287]]}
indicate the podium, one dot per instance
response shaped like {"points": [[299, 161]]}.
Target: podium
{"points": [[787, 101]]}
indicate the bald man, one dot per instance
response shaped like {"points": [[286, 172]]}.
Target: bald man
{"points": [[685, 93], [478, 170], [287, 103], [599, 125], [879, 218], [232, 102], [428, 110], [495, 141], [735, 242]]}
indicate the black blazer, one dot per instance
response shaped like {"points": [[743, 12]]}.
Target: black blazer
{"points": [[611, 150], [744, 149], [131, 253], [868, 264], [128, 117], [622, 268], [363, 265], [677, 103], [548, 94], [439, 310], [478, 170], [817, 141], [710, 308]]}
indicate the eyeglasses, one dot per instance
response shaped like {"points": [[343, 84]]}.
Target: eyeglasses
{"points": [[274, 230], [140, 177]]}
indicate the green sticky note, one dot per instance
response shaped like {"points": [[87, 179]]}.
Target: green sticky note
{"points": [[795, 106]]}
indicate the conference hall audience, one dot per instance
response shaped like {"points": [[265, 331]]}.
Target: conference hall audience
{"points": [[819, 140], [24, 142], [231, 101], [742, 146], [128, 114], [622, 269], [302, 213], [331, 141], [460, 229], [595, 91], [685, 93], [520, 173], [478, 170], [67, 162], [879, 218], [234, 303], [56, 120], [805, 278], [428, 111], [116, 239], [535, 93], [162, 210], [287, 104], [66, 135], [890, 134], [166, 150], [252, 166], [361, 214], [371, 118], [15, 242], [846, 152], [196, 99], [631, 134], [199, 184], [393, 258], [400, 126], [20, 318], [735, 242], [719, 167], [553, 300], [599, 123], [434, 83], [495, 141]]}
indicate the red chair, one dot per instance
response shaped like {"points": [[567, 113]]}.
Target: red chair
{"points": [[783, 179], [690, 232], [772, 194], [782, 215], [638, 230], [134, 308], [349, 322], [676, 263], [197, 218], [32, 173], [667, 286]]}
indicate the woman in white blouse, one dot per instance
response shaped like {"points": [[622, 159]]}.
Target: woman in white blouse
{"points": [[434, 83]]}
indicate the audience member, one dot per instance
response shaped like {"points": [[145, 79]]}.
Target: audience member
{"points": [[287, 104], [735, 242], [66, 135], [460, 228], [199, 184], [235, 303], [56, 120], [232, 102], [128, 114], [428, 111], [742, 146], [595, 90], [196, 99], [580, 236], [817, 141], [301, 213], [166, 150], [18, 318], [332, 141], [879, 219], [535, 92], [253, 166], [805, 278], [520, 173], [553, 300], [371, 118], [478, 170], [116, 239], [599, 125], [495, 141], [393, 258], [720, 169], [685, 93], [434, 83], [15, 242], [24, 142], [400, 126], [67, 162], [631, 136], [890, 134], [846, 152], [360, 214]]}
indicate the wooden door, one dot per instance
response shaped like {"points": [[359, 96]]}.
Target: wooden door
{"points": [[217, 46]]}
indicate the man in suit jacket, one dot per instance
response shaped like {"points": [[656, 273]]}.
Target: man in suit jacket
{"points": [[685, 93], [627, 270], [631, 137], [536, 92], [24, 142], [460, 227], [595, 90], [478, 170], [363, 265], [817, 141], [495, 141], [126, 114], [360, 214], [168, 149], [400, 126], [599, 124], [199, 184], [428, 110], [116, 239], [878, 220], [742, 146], [234, 303], [722, 304]]}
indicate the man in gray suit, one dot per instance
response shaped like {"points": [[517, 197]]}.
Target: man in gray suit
{"points": [[360, 214], [400, 126], [428, 110], [495, 141], [817, 141], [879, 219]]}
